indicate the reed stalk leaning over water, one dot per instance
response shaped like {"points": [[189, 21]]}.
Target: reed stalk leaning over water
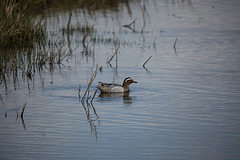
{"points": [[146, 61], [93, 76], [95, 93], [116, 48]]}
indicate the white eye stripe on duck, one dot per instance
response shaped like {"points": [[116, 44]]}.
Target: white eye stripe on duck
{"points": [[128, 79]]}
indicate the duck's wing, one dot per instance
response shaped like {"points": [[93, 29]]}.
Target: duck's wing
{"points": [[108, 84], [107, 87], [104, 87]]}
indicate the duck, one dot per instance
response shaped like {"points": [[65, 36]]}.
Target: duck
{"points": [[116, 88]]}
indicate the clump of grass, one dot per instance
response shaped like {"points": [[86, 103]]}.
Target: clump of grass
{"points": [[17, 27], [16, 63]]}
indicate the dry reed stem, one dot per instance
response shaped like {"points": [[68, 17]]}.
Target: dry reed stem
{"points": [[113, 55], [95, 93], [55, 43], [23, 110], [88, 98], [75, 48], [79, 90], [51, 58], [87, 33], [147, 61], [93, 76], [116, 47], [128, 25]]}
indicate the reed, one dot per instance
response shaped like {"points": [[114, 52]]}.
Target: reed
{"points": [[26, 62], [17, 27], [146, 61], [95, 93], [54, 55], [113, 54], [88, 32], [23, 123], [91, 118], [93, 76], [116, 48], [130, 24]]}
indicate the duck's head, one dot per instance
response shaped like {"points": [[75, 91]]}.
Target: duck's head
{"points": [[127, 81]]}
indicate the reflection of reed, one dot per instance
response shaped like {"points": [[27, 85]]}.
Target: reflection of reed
{"points": [[23, 109], [91, 119], [117, 46], [92, 7], [68, 33], [130, 25], [21, 116], [174, 46], [143, 9], [23, 124]]}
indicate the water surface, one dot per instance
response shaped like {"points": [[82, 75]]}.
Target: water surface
{"points": [[184, 106]]}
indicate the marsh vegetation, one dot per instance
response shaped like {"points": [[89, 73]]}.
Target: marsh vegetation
{"points": [[18, 28], [27, 46]]}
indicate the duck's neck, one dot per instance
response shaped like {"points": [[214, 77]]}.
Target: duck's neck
{"points": [[126, 88]]}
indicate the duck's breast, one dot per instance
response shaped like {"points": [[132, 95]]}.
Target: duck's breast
{"points": [[116, 89]]}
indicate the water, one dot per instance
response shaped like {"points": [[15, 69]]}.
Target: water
{"points": [[184, 106]]}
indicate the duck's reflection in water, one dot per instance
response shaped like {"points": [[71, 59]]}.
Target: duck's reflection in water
{"points": [[126, 98]]}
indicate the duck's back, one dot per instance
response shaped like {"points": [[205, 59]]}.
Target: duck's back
{"points": [[111, 87]]}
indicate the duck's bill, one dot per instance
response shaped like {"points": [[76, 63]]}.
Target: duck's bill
{"points": [[134, 82]]}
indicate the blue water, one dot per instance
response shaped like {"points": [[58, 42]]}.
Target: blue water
{"points": [[186, 104]]}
